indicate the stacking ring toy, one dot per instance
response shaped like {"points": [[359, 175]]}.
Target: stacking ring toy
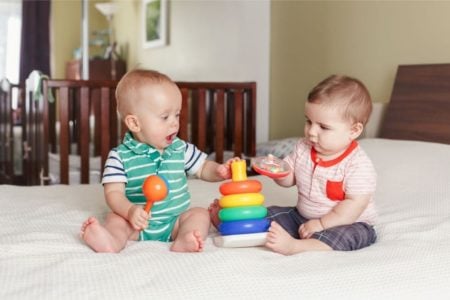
{"points": [[241, 240], [239, 170], [239, 187], [246, 199], [242, 213], [244, 226]]}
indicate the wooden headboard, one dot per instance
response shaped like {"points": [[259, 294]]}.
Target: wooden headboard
{"points": [[419, 108]]}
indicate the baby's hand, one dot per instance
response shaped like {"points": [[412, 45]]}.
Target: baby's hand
{"points": [[138, 217], [307, 229], [224, 170]]}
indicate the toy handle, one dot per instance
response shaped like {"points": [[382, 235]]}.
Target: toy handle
{"points": [[148, 206]]}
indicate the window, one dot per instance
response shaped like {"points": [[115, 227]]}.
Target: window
{"points": [[10, 26]]}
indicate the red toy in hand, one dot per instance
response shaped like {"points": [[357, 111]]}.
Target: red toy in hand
{"points": [[270, 166], [154, 189]]}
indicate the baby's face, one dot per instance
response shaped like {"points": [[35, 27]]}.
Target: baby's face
{"points": [[158, 111], [327, 130]]}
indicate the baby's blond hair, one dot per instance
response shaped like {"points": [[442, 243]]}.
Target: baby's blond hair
{"points": [[344, 92], [127, 91]]}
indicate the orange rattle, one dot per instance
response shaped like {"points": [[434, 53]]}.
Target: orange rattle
{"points": [[154, 189]]}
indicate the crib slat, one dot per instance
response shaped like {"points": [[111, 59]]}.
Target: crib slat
{"points": [[40, 173], [113, 120], [6, 134], [201, 120], [238, 115], [219, 125], [64, 135], [84, 138], [251, 121], [26, 124], [51, 115], [184, 116], [105, 112], [96, 111]]}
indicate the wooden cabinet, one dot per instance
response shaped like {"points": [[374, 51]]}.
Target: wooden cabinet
{"points": [[99, 69]]}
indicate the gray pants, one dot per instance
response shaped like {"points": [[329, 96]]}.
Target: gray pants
{"points": [[343, 238]]}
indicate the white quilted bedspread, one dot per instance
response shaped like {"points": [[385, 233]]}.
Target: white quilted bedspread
{"points": [[42, 257]]}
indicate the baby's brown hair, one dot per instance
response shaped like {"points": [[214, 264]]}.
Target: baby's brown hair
{"points": [[346, 92]]}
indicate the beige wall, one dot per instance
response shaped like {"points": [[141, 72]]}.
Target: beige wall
{"points": [[66, 31], [127, 29], [311, 40], [308, 41], [208, 41]]}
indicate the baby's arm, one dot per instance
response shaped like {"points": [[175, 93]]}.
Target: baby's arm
{"points": [[213, 171], [287, 181], [118, 202], [344, 213], [347, 211]]}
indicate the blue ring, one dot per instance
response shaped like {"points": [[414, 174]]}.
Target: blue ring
{"points": [[244, 226]]}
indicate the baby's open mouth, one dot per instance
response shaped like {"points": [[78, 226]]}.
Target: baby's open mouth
{"points": [[171, 137]]}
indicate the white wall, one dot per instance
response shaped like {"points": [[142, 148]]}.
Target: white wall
{"points": [[211, 41]]}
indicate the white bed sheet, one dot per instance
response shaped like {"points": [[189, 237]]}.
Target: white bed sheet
{"points": [[74, 168], [41, 255]]}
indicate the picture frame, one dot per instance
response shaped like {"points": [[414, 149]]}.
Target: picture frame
{"points": [[154, 17]]}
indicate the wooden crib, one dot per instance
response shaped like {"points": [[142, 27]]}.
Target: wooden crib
{"points": [[77, 120], [219, 116], [60, 122], [9, 119]]}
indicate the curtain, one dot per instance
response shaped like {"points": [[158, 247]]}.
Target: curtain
{"points": [[35, 39]]}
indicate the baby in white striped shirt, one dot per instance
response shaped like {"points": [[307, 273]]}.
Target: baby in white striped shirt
{"points": [[335, 178]]}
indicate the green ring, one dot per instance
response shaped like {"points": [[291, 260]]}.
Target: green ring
{"points": [[242, 213]]}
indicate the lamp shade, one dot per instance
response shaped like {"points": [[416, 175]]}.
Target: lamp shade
{"points": [[106, 8]]}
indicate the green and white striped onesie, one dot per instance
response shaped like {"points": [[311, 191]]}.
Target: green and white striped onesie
{"points": [[132, 162]]}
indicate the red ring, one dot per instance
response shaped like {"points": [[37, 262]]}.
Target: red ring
{"points": [[239, 187]]}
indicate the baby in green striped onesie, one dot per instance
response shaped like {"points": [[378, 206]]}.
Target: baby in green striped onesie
{"points": [[149, 104]]}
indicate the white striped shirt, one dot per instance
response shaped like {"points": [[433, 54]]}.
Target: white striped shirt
{"points": [[322, 184]]}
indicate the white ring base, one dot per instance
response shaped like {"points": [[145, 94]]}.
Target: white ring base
{"points": [[240, 240]]}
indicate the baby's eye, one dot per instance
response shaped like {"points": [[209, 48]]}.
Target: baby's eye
{"points": [[177, 115], [324, 127], [308, 121], [165, 117]]}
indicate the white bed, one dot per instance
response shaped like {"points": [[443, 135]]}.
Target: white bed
{"points": [[42, 257]]}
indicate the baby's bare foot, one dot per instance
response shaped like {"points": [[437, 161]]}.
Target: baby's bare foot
{"points": [[190, 242], [214, 213], [86, 224], [97, 237], [279, 240]]}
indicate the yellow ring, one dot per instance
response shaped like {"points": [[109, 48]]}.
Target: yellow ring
{"points": [[245, 199]]}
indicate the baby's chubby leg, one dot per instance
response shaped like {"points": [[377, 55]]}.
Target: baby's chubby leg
{"points": [[110, 237], [191, 230]]}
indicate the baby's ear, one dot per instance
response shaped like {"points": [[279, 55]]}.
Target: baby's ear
{"points": [[356, 130], [132, 123]]}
